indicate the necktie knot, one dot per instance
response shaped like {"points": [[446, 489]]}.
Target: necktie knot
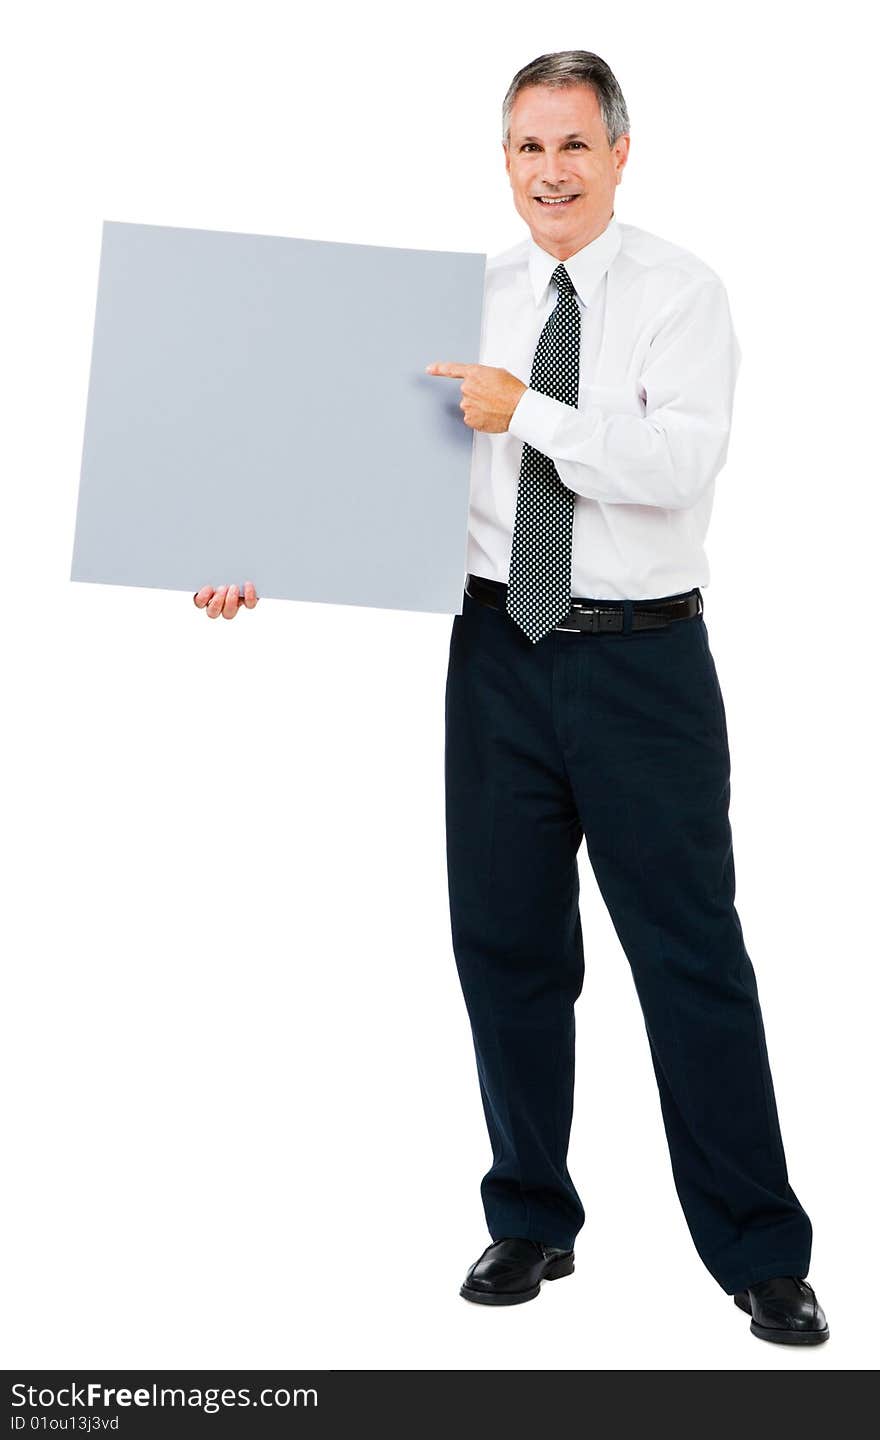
{"points": [[563, 281]]}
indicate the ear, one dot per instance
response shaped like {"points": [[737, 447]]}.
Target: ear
{"points": [[621, 151]]}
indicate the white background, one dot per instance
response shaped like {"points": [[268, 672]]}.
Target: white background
{"points": [[242, 1115]]}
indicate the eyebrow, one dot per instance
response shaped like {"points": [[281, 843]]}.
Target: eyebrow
{"points": [[575, 135]]}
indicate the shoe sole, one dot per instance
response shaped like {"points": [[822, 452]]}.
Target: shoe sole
{"points": [[555, 1270], [779, 1337]]}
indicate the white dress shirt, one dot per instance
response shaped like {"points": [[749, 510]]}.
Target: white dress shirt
{"points": [[658, 367]]}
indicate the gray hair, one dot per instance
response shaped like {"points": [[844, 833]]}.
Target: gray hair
{"points": [[572, 67]]}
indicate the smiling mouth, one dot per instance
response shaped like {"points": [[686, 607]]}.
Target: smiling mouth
{"points": [[555, 202]]}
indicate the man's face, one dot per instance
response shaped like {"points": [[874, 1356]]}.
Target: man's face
{"points": [[558, 147]]}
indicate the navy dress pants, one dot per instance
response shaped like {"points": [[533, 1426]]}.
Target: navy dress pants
{"points": [[620, 739]]}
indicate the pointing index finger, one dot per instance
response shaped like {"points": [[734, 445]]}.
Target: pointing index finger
{"points": [[454, 368]]}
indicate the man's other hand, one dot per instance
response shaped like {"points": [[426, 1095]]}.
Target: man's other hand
{"points": [[225, 599], [488, 395]]}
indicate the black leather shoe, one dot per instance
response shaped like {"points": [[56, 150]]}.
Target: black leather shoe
{"points": [[511, 1270], [785, 1310]]}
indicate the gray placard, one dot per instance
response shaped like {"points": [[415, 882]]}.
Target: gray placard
{"points": [[258, 409]]}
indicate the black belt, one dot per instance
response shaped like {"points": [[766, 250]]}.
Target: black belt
{"points": [[596, 616]]}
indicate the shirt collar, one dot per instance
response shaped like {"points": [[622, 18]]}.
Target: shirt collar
{"points": [[585, 268]]}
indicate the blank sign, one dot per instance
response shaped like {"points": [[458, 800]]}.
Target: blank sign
{"points": [[258, 409]]}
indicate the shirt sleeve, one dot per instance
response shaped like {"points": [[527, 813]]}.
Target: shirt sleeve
{"points": [[669, 455]]}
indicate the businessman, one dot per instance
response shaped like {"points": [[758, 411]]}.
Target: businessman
{"points": [[582, 701]]}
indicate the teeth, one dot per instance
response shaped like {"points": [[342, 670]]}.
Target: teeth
{"points": [[559, 200]]}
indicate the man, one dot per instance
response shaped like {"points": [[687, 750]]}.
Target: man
{"points": [[582, 700]]}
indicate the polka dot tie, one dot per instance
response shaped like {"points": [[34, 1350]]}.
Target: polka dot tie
{"points": [[539, 578]]}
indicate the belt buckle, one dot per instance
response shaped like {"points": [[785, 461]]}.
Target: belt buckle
{"points": [[583, 610]]}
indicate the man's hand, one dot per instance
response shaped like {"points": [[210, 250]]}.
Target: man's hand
{"points": [[488, 395], [225, 599]]}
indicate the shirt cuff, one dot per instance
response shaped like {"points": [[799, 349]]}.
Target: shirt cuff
{"points": [[537, 417]]}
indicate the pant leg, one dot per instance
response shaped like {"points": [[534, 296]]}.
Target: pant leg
{"points": [[512, 834], [647, 748]]}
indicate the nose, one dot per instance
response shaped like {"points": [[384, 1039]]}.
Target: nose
{"points": [[554, 174]]}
